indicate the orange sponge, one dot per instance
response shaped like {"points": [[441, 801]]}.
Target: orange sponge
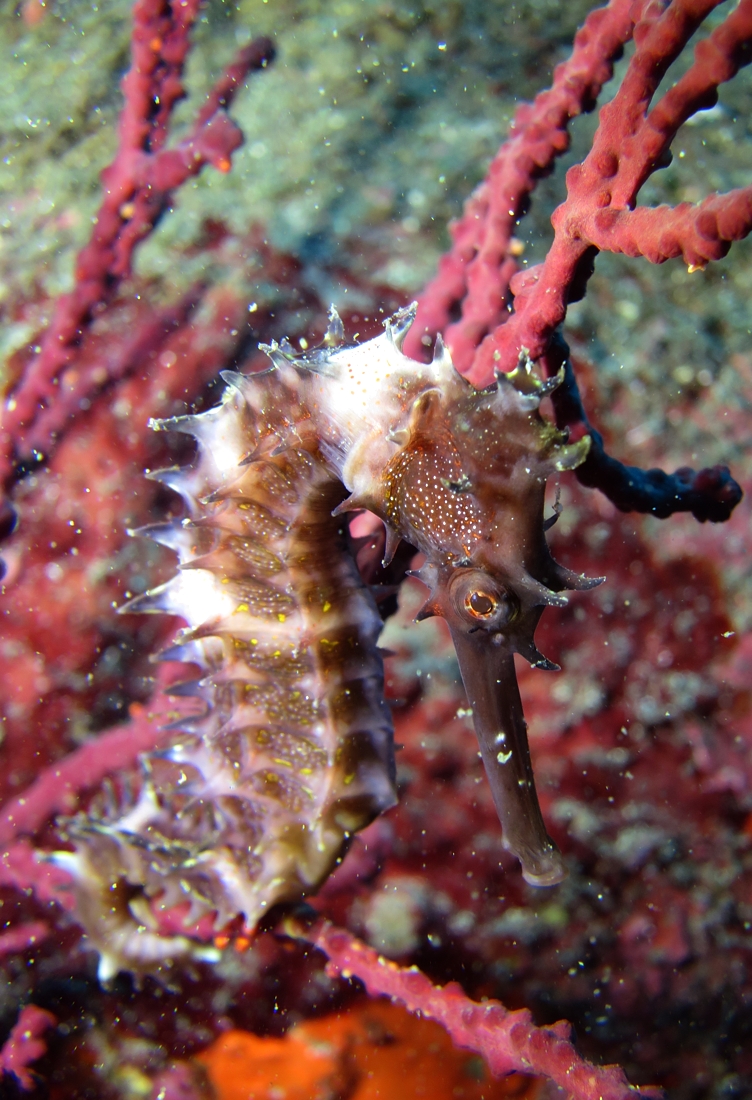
{"points": [[372, 1051]]}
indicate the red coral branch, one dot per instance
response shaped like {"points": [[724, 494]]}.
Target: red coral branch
{"points": [[505, 310], [698, 233], [479, 274], [57, 789], [477, 270], [25, 1044], [629, 145], [82, 379], [138, 188], [58, 786], [509, 1041], [23, 936], [22, 868]]}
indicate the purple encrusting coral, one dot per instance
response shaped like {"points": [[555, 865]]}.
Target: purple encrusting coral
{"points": [[641, 747]]}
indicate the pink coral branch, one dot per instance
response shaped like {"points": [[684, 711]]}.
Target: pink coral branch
{"points": [[138, 187], [698, 233], [57, 788], [717, 59], [23, 867], [82, 380], [477, 269], [508, 1040], [25, 1044], [23, 936], [629, 144]]}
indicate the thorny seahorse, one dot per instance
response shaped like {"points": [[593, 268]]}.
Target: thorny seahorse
{"points": [[256, 800]]}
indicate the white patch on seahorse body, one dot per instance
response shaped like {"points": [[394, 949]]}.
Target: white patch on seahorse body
{"points": [[221, 435], [375, 386], [198, 597], [227, 442]]}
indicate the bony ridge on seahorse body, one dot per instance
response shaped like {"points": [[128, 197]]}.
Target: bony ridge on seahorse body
{"points": [[257, 799]]}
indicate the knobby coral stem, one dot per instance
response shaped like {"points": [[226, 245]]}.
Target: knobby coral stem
{"points": [[475, 274], [504, 309], [709, 494], [25, 1044], [509, 1041], [137, 189]]}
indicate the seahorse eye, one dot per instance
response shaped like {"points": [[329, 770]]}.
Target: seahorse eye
{"points": [[481, 600], [479, 603]]}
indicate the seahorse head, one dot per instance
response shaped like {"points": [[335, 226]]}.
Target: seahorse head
{"points": [[467, 488]]}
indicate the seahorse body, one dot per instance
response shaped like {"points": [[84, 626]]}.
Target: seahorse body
{"points": [[257, 799]]}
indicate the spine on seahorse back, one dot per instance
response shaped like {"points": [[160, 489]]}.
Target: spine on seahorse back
{"points": [[255, 802]]}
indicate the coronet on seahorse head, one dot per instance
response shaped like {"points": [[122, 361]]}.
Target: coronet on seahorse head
{"points": [[460, 474]]}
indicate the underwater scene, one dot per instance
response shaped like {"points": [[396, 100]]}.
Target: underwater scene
{"points": [[375, 601]]}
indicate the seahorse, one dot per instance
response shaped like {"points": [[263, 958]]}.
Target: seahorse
{"points": [[257, 799]]}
